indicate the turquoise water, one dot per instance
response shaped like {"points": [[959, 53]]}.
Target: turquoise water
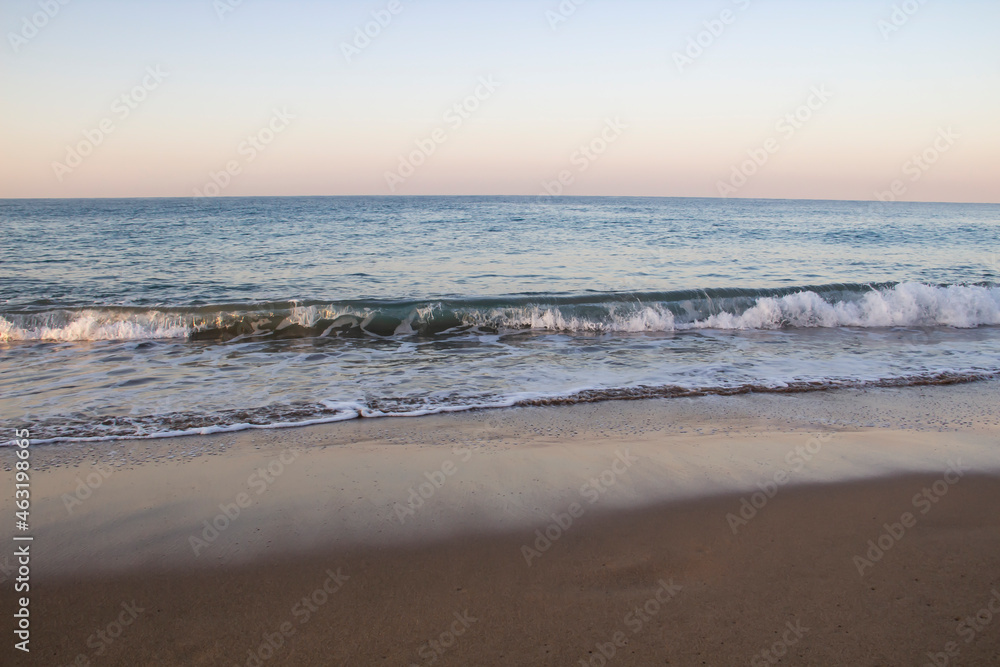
{"points": [[160, 316]]}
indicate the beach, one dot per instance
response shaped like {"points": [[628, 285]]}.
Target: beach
{"points": [[840, 527], [558, 334]]}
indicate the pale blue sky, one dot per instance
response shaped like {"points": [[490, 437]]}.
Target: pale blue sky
{"points": [[611, 59]]}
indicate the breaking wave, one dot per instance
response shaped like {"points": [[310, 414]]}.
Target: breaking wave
{"points": [[883, 305]]}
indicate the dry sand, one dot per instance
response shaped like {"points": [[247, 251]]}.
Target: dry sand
{"points": [[410, 539]]}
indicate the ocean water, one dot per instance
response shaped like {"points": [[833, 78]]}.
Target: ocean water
{"points": [[147, 317]]}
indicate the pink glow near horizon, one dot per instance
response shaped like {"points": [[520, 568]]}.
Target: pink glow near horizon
{"points": [[848, 100]]}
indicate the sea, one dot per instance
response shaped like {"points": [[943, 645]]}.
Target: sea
{"points": [[139, 318]]}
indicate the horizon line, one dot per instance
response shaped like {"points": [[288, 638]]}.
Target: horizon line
{"points": [[496, 196]]}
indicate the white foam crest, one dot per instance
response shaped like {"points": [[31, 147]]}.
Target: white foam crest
{"points": [[93, 325], [907, 304]]}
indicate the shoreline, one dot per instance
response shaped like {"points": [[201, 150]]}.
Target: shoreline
{"points": [[350, 412], [500, 468], [552, 523]]}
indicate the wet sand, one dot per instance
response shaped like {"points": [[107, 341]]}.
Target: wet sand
{"points": [[841, 528]]}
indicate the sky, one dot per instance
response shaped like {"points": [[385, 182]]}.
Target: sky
{"points": [[818, 99]]}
